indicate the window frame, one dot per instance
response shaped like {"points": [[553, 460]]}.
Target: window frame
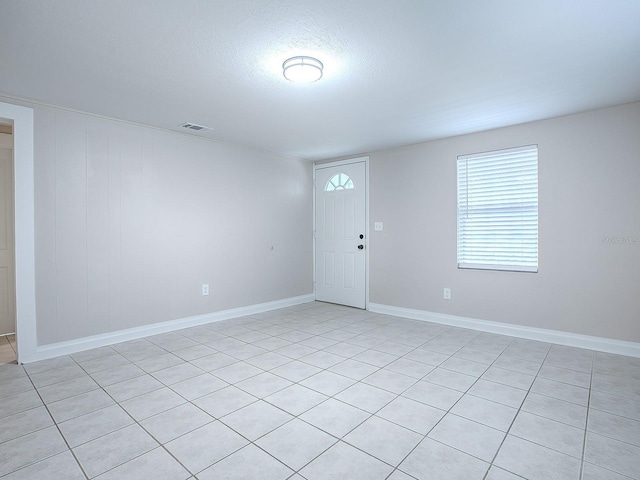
{"points": [[341, 185], [497, 210]]}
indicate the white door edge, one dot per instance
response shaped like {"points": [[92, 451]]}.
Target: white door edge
{"points": [[319, 166]]}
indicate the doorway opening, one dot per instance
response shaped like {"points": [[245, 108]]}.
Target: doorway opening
{"points": [[7, 247]]}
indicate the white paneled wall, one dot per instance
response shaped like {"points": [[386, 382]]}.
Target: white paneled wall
{"points": [[130, 221]]}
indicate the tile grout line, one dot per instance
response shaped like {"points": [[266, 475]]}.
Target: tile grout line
{"points": [[187, 401], [415, 383], [291, 325], [135, 421], [338, 439], [301, 380], [586, 422], [515, 417], [57, 428], [326, 370], [449, 410]]}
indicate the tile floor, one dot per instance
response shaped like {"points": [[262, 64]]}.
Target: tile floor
{"points": [[7, 349], [320, 391]]}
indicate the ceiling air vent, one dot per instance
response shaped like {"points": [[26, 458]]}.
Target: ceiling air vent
{"points": [[194, 126]]}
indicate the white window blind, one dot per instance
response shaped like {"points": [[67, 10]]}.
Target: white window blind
{"points": [[498, 210]]}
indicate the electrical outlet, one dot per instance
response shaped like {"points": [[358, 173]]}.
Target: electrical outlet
{"points": [[205, 289], [447, 294]]}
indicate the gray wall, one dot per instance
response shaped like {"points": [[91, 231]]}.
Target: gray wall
{"points": [[589, 188], [130, 221]]}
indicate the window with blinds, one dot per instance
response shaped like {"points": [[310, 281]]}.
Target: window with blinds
{"points": [[498, 210]]}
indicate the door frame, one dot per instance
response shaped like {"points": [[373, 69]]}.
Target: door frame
{"points": [[318, 166], [24, 222]]}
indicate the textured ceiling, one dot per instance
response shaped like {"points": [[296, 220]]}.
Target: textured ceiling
{"points": [[396, 72]]}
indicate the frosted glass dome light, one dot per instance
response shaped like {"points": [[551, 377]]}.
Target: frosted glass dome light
{"points": [[302, 69]]}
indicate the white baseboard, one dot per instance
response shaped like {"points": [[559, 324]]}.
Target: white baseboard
{"points": [[44, 352], [601, 344]]}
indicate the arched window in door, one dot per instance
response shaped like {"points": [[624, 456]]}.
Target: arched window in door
{"points": [[340, 181]]}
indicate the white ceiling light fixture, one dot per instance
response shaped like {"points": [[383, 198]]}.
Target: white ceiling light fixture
{"points": [[302, 69]]}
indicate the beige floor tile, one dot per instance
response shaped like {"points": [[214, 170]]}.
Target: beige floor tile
{"points": [[416, 416], [296, 399], [296, 443], [156, 464], [95, 424], [27, 449], [468, 436], [345, 461], [256, 419], [383, 439], [536, 462], [335, 417], [432, 459], [173, 423], [58, 467], [205, 446], [114, 449], [247, 463]]}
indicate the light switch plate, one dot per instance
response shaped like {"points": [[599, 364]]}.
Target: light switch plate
{"points": [[377, 226]]}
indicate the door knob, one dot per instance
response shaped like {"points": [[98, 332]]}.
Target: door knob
{"points": [[360, 247]]}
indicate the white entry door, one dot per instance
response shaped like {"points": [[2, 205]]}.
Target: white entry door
{"points": [[340, 237], [7, 276]]}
